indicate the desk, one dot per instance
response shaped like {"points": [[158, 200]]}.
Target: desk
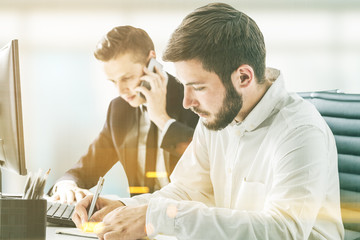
{"points": [[51, 235]]}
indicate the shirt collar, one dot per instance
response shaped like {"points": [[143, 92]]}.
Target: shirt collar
{"points": [[143, 107], [265, 106]]}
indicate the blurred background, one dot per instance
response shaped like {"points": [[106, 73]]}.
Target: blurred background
{"points": [[65, 95]]}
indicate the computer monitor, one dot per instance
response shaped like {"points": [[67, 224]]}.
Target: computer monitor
{"points": [[12, 153]]}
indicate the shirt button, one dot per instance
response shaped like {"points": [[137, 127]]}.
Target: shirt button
{"points": [[239, 133]]}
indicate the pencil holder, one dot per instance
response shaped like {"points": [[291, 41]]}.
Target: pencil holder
{"points": [[22, 219]]}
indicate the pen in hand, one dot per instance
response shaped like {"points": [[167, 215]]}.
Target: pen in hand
{"points": [[95, 197]]}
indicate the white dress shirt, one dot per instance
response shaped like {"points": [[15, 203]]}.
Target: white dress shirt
{"points": [[273, 176]]}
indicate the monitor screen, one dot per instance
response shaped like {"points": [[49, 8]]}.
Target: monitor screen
{"points": [[12, 156]]}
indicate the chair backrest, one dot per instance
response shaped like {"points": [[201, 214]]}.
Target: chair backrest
{"points": [[342, 114]]}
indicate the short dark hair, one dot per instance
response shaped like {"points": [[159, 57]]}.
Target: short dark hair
{"points": [[221, 38], [124, 39]]}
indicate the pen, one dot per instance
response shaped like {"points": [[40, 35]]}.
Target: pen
{"points": [[40, 192], [27, 186], [96, 196], [34, 186]]}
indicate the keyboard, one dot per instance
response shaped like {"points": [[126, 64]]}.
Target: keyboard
{"points": [[60, 213]]}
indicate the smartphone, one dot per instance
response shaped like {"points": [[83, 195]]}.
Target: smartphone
{"points": [[151, 67]]}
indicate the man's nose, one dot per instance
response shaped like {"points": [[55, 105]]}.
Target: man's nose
{"points": [[189, 100], [122, 88]]}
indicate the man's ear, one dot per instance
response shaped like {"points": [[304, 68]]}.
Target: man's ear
{"points": [[152, 54], [243, 76]]}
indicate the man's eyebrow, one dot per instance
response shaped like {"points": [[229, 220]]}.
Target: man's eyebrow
{"points": [[190, 83], [126, 75], [194, 83]]}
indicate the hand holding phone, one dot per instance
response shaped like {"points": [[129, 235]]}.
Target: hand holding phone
{"points": [[151, 66], [156, 102]]}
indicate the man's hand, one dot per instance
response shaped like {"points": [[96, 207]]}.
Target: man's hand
{"points": [[124, 223], [69, 192], [156, 97], [103, 207]]}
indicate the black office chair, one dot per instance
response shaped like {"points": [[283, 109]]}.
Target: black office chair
{"points": [[342, 113]]}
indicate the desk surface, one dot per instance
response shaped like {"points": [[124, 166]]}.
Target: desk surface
{"points": [[52, 235]]}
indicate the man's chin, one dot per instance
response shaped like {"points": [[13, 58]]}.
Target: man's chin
{"points": [[137, 101], [214, 125], [208, 123]]}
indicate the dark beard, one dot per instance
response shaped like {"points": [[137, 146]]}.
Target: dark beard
{"points": [[231, 106]]}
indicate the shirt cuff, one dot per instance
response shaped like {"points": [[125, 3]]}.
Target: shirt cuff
{"points": [[136, 200], [129, 201], [166, 127], [160, 217]]}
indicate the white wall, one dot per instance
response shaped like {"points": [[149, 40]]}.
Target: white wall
{"points": [[65, 95]]}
